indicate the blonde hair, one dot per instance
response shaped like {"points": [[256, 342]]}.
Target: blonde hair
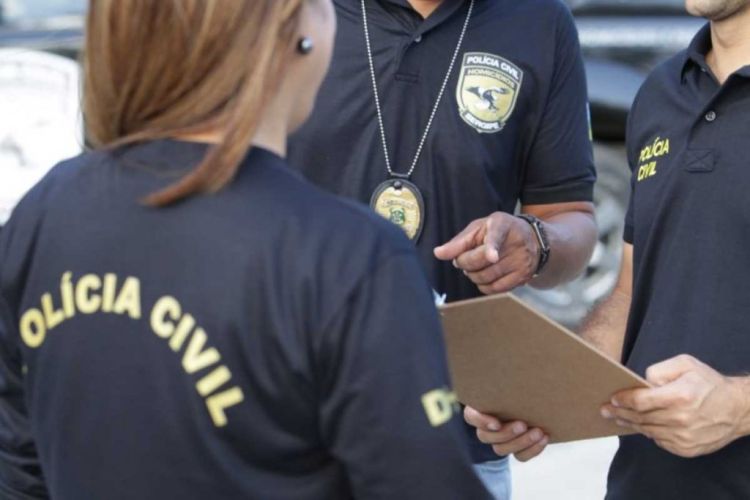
{"points": [[156, 69]]}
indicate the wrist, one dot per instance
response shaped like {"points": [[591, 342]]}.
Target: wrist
{"points": [[534, 245], [741, 391], [541, 245]]}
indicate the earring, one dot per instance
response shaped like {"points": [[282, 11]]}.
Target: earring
{"points": [[305, 45]]}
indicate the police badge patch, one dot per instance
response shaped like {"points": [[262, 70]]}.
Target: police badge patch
{"points": [[487, 91]]}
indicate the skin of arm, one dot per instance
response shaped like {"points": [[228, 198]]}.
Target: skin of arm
{"points": [[605, 326]]}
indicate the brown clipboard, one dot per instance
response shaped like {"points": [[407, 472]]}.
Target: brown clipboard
{"points": [[510, 361]]}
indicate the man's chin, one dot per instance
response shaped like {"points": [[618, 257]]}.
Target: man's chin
{"points": [[716, 10]]}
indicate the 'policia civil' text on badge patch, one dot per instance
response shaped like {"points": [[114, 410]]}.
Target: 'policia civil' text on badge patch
{"points": [[487, 91]]}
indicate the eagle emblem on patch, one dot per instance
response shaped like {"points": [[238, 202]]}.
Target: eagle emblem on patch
{"points": [[487, 91]]}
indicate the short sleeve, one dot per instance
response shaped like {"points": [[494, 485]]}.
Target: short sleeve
{"points": [[632, 154], [628, 231], [560, 167], [387, 412]]}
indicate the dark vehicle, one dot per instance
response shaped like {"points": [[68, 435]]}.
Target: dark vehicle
{"points": [[622, 41]]}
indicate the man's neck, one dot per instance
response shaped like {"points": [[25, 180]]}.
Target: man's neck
{"points": [[425, 7], [730, 38]]}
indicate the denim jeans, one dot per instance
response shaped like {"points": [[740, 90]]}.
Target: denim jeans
{"points": [[496, 477]]}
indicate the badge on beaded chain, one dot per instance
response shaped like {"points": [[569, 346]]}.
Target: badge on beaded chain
{"points": [[398, 199], [401, 202]]}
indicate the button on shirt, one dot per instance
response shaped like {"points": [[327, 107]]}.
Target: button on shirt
{"points": [[512, 125], [688, 221]]}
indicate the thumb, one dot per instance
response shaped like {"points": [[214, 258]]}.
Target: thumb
{"points": [[480, 420], [463, 242], [494, 238], [670, 370]]}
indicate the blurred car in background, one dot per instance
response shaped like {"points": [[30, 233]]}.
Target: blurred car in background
{"points": [[40, 121], [622, 41]]}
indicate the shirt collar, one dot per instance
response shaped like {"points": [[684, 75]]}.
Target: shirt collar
{"points": [[695, 55], [445, 11]]}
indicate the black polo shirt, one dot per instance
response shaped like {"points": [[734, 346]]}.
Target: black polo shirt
{"points": [[230, 346], [537, 151], [688, 148], [534, 147]]}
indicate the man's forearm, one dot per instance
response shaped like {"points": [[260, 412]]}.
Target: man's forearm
{"points": [[605, 326], [572, 238]]}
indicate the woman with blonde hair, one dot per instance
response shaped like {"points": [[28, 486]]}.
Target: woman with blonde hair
{"points": [[181, 317]]}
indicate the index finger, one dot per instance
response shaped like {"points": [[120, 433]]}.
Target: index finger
{"points": [[461, 243]]}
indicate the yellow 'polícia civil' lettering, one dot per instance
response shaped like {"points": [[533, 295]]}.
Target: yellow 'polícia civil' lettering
{"points": [[184, 327], [108, 292], [68, 295], [52, 317], [33, 329], [655, 150], [165, 307], [170, 323], [129, 299], [92, 294], [219, 403], [646, 171], [86, 301], [82, 297], [195, 357], [211, 382]]}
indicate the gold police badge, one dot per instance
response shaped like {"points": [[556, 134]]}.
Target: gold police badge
{"points": [[400, 201], [487, 91]]}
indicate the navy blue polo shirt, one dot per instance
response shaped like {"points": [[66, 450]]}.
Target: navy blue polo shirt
{"points": [[229, 346], [689, 216], [528, 140]]}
